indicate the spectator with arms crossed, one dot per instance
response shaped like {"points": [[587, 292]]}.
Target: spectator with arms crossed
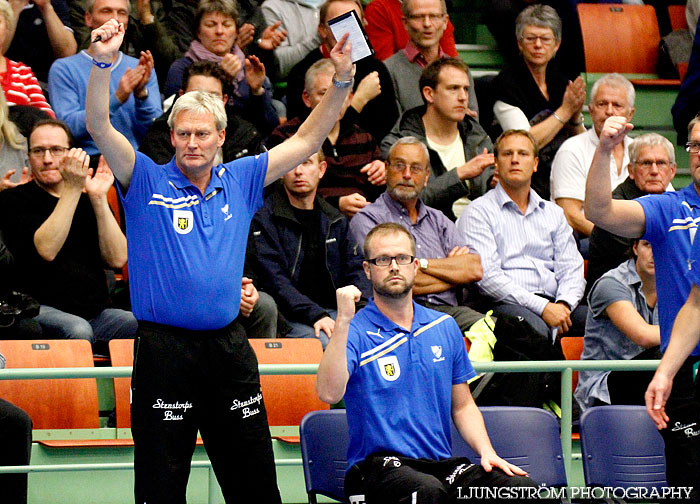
{"points": [[188, 224]]}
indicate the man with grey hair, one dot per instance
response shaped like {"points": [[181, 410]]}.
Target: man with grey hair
{"points": [[135, 102], [611, 95], [445, 260], [425, 22], [187, 229], [607, 250]]}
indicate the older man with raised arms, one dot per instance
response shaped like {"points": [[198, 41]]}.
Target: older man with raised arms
{"points": [[187, 227]]}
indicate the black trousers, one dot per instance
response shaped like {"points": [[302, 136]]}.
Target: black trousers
{"points": [[629, 387], [15, 449], [390, 479], [682, 436], [185, 381]]}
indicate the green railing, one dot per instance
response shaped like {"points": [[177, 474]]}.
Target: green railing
{"points": [[566, 368]]}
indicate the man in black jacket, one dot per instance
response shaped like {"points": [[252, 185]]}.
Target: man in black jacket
{"points": [[242, 139], [305, 252]]}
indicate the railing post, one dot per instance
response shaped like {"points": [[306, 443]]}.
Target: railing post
{"points": [[566, 410], [213, 487]]}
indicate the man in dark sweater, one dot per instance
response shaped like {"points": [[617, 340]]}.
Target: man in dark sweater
{"points": [[305, 252], [62, 234]]}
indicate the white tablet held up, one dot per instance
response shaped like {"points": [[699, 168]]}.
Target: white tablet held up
{"points": [[350, 23]]}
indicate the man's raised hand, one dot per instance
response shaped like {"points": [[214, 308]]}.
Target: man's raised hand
{"points": [[111, 35]]}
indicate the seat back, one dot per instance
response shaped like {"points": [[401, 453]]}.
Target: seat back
{"points": [[526, 437], [619, 38], [572, 347], [621, 447], [52, 404], [289, 397], [324, 446], [121, 353], [676, 14]]}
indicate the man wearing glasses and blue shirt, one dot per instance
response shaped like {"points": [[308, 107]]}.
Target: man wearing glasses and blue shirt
{"points": [[669, 222], [403, 370]]}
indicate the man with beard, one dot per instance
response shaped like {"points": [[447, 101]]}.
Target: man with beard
{"points": [[400, 364], [445, 260]]}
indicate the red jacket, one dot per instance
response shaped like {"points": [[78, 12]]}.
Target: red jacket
{"points": [[387, 34]]}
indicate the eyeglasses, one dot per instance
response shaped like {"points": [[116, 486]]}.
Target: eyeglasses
{"points": [[384, 261], [432, 18], [55, 151], [693, 147], [401, 167], [531, 39], [647, 163]]}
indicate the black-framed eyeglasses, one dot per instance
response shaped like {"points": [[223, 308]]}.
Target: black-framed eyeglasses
{"points": [[55, 151], [693, 147], [384, 261]]}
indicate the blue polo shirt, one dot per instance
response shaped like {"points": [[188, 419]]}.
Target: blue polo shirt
{"points": [[671, 223], [693, 273], [186, 250], [399, 394]]}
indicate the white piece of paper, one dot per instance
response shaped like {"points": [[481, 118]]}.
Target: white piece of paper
{"points": [[350, 23]]}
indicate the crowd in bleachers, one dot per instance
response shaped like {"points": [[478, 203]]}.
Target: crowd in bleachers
{"points": [[269, 64], [414, 144]]}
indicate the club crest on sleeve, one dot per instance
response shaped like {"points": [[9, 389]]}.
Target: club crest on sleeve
{"points": [[389, 368], [183, 221]]}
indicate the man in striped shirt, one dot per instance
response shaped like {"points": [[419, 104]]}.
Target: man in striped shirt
{"points": [[532, 268]]}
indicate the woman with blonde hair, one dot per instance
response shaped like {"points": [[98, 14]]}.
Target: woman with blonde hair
{"points": [[13, 150]]}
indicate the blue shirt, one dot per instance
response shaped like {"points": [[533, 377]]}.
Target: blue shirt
{"points": [[671, 222], [186, 250], [68, 82], [399, 395], [523, 254]]}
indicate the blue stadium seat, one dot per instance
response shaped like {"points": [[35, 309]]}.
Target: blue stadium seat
{"points": [[621, 448], [526, 437], [324, 446]]}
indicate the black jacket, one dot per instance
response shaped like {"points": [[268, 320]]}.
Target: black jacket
{"points": [[277, 235], [444, 186]]}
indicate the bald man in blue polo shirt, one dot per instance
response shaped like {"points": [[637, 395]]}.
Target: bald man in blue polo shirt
{"points": [[187, 225], [403, 370]]}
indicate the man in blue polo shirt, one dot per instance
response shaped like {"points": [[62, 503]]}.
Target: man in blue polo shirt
{"points": [[684, 338], [187, 227], [403, 370], [669, 222]]}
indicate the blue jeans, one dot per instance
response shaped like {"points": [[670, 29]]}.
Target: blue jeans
{"points": [[111, 323], [300, 330]]}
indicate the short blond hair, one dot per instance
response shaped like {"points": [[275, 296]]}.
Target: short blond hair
{"points": [[199, 102]]}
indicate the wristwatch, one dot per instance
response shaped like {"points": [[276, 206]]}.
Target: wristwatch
{"points": [[423, 263]]}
